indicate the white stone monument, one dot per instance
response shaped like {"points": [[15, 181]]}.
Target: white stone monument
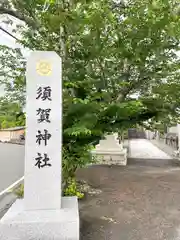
{"points": [[110, 152], [43, 214]]}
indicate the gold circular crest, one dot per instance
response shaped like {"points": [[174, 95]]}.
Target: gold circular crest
{"points": [[44, 68]]}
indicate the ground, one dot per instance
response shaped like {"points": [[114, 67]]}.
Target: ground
{"points": [[11, 164], [142, 148], [135, 203], [140, 201]]}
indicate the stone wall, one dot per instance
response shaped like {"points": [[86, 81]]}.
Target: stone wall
{"points": [[8, 135]]}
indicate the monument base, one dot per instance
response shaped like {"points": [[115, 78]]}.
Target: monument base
{"points": [[19, 224], [111, 157]]}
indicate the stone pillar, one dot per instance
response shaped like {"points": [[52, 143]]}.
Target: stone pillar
{"points": [[157, 135], [43, 132], [43, 213]]}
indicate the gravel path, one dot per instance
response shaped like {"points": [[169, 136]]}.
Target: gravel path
{"points": [[134, 203]]}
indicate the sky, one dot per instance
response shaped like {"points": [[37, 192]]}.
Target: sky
{"points": [[9, 41], [5, 40]]}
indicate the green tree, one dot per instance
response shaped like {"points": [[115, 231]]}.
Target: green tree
{"points": [[11, 114], [120, 64]]}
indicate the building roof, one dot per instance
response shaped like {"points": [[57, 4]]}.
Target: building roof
{"points": [[13, 129]]}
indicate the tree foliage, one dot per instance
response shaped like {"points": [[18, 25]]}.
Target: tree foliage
{"points": [[120, 62], [11, 114]]}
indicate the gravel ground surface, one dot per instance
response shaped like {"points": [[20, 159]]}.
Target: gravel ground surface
{"points": [[132, 203]]}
